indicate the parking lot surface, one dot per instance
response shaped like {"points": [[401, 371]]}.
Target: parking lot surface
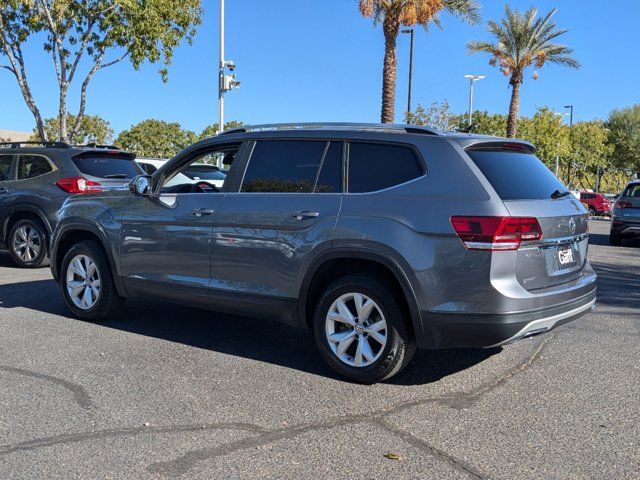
{"points": [[166, 392]]}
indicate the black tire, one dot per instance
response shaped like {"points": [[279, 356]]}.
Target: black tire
{"points": [[592, 213], [615, 239], [40, 240], [400, 345], [108, 301]]}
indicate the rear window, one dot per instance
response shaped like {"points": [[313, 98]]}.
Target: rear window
{"points": [[107, 166], [515, 175], [632, 190]]}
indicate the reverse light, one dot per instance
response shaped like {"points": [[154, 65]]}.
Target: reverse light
{"points": [[496, 233], [623, 204], [78, 185]]}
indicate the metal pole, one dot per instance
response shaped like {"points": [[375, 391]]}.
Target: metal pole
{"points": [[569, 164], [410, 78], [470, 101], [221, 71]]}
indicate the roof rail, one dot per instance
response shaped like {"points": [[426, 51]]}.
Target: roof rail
{"points": [[377, 127], [44, 144]]}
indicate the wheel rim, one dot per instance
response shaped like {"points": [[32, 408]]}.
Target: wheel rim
{"points": [[27, 243], [83, 282], [356, 329]]}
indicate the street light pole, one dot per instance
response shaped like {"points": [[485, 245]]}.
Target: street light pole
{"points": [[221, 71], [472, 79], [570, 107], [410, 31]]}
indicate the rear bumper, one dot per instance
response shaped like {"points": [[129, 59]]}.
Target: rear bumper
{"points": [[624, 227], [454, 330]]}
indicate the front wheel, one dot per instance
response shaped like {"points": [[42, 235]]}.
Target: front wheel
{"points": [[87, 282], [361, 331]]}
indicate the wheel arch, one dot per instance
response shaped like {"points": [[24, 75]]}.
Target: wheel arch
{"points": [[22, 211], [69, 234], [343, 261]]}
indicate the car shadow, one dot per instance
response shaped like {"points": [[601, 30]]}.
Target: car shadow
{"points": [[603, 240], [246, 337]]}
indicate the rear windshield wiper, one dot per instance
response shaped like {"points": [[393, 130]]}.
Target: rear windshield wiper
{"points": [[117, 175], [558, 194]]}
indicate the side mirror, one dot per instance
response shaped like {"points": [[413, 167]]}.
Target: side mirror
{"points": [[140, 185]]}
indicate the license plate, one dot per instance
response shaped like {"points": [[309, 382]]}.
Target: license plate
{"points": [[565, 257]]}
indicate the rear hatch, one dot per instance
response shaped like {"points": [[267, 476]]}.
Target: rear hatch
{"points": [[529, 189], [112, 169]]}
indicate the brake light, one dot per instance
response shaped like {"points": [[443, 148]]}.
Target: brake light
{"points": [[78, 185], [496, 233], [624, 204]]}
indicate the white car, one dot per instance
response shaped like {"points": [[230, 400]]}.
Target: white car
{"points": [[196, 173]]}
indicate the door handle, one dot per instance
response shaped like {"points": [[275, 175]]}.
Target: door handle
{"points": [[199, 212], [305, 214]]}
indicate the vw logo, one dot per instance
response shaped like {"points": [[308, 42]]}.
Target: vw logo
{"points": [[572, 226]]}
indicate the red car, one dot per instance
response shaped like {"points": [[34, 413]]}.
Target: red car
{"points": [[598, 204]]}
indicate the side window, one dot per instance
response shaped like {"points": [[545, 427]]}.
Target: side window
{"points": [[375, 167], [209, 176], [284, 166], [31, 166], [330, 175], [5, 167]]}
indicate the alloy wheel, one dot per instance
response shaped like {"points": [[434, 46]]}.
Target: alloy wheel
{"points": [[83, 282], [27, 243], [356, 329]]}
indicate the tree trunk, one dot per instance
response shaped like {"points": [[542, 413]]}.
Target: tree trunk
{"points": [[391, 28], [62, 115], [514, 107]]}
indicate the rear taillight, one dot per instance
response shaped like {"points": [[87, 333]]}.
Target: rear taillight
{"points": [[78, 185], [496, 233], [623, 204]]}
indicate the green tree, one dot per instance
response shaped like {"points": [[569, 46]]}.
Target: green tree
{"points": [[485, 123], [92, 33], [624, 126], [436, 115], [522, 40], [392, 14], [155, 139], [92, 129], [590, 154], [550, 136], [212, 130]]}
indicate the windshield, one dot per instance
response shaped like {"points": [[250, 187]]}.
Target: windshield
{"points": [[516, 175]]}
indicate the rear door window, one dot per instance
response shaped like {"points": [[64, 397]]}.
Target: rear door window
{"points": [[284, 166], [375, 166], [515, 175], [107, 166], [31, 166], [5, 167]]}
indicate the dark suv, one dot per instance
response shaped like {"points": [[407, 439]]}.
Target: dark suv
{"points": [[625, 218], [36, 178], [377, 238]]}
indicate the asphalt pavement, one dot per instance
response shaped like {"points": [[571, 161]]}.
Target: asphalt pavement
{"points": [[171, 392]]}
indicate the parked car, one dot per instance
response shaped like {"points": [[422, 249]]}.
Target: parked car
{"points": [[597, 203], [197, 173], [625, 218], [36, 178], [376, 238]]}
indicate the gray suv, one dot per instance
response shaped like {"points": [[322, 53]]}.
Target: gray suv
{"points": [[377, 238], [36, 178]]}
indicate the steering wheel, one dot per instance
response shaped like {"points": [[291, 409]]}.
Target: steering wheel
{"points": [[203, 187]]}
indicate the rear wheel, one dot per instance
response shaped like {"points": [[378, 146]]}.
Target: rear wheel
{"points": [[592, 212], [615, 239], [28, 244], [360, 330], [87, 282]]}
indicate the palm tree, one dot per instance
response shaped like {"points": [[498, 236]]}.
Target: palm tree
{"points": [[522, 40], [393, 13]]}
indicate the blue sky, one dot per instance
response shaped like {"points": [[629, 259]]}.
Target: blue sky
{"points": [[318, 60]]}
